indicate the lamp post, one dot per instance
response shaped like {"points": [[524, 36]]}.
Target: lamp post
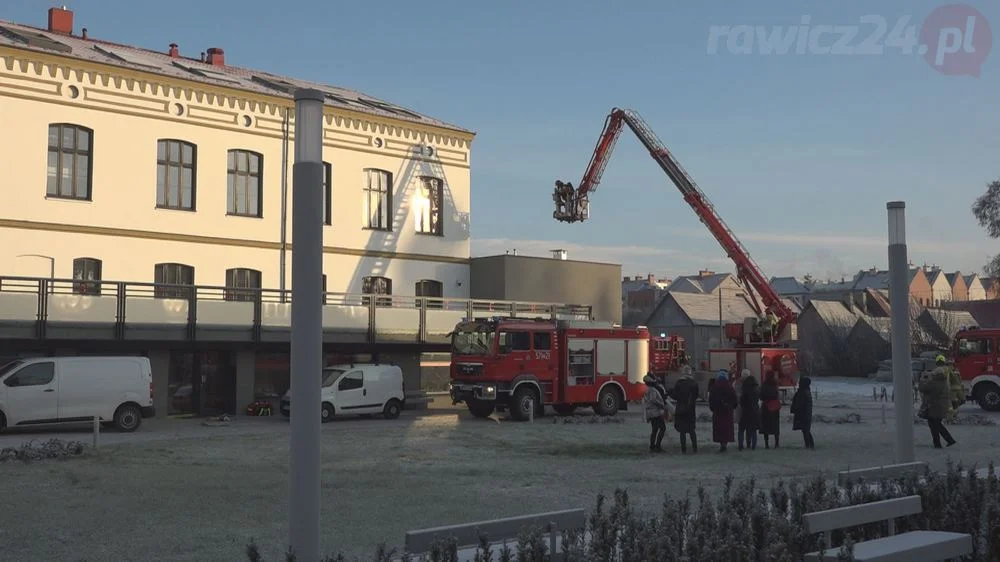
{"points": [[899, 301], [52, 266], [307, 326]]}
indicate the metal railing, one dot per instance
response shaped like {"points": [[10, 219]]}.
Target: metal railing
{"points": [[48, 301]]}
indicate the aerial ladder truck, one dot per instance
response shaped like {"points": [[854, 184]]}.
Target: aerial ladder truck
{"points": [[761, 344]]}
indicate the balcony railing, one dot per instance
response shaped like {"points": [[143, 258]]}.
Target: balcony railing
{"points": [[44, 308]]}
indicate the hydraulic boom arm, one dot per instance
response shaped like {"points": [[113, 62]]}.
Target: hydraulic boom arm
{"points": [[572, 205]]}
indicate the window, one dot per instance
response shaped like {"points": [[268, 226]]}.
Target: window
{"points": [[70, 158], [327, 193], [175, 174], [244, 187], [242, 284], [88, 272], [378, 199], [352, 381], [35, 374], [376, 286], [542, 341], [173, 274], [975, 346], [428, 205], [430, 288], [514, 341]]}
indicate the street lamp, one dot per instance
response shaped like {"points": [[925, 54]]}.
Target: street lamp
{"points": [[52, 266], [307, 326], [899, 302]]}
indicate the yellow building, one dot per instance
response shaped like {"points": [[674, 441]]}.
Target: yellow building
{"points": [[126, 164]]}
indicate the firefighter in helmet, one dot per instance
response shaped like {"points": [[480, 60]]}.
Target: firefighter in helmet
{"points": [[957, 391]]}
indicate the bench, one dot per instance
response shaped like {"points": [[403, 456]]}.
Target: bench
{"points": [[907, 547], [498, 530], [880, 472]]}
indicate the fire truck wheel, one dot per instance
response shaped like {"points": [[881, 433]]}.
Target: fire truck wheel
{"points": [[480, 408], [564, 409], [521, 402], [608, 401], [988, 396]]}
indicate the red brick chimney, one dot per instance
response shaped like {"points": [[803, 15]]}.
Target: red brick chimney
{"points": [[216, 57], [174, 52], [61, 21]]}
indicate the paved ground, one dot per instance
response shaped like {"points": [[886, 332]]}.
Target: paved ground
{"points": [[178, 490]]}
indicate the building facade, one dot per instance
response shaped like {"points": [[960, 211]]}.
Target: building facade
{"points": [[125, 166], [138, 165]]}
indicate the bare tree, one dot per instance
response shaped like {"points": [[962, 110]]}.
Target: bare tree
{"points": [[987, 211]]}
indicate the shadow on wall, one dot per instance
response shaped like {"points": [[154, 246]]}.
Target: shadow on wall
{"points": [[456, 225]]}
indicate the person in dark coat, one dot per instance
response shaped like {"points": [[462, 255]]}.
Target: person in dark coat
{"points": [[802, 409], [722, 400], [935, 393], [685, 393], [770, 411], [749, 421], [655, 409]]}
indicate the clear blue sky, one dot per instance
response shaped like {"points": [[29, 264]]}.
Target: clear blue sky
{"points": [[798, 153]]}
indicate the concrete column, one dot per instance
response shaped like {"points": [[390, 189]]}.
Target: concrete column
{"points": [[246, 377], [899, 300], [159, 361]]}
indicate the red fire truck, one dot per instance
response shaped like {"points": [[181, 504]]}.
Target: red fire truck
{"points": [[975, 355], [761, 343], [514, 363]]}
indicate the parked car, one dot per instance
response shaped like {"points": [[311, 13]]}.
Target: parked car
{"points": [[44, 390], [918, 366], [358, 389]]}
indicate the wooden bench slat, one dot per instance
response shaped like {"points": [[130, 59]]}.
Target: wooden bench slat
{"points": [[844, 517], [881, 472], [915, 545], [467, 534]]}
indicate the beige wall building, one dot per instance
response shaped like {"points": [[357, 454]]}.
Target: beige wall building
{"points": [[126, 164]]}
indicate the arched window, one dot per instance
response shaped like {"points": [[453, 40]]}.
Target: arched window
{"points": [[173, 274], [378, 199], [70, 162], [430, 288], [376, 285], [242, 284], [87, 276], [428, 205], [244, 183], [175, 174]]}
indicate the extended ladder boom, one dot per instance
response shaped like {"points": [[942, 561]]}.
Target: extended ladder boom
{"points": [[572, 205]]}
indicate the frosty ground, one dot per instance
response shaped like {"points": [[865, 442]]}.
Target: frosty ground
{"points": [[177, 490]]}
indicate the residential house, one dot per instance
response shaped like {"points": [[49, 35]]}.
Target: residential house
{"points": [[975, 289], [940, 288], [990, 287], [959, 289], [986, 313], [869, 341], [698, 319], [942, 325], [639, 297], [706, 283], [792, 288], [872, 280], [823, 329]]}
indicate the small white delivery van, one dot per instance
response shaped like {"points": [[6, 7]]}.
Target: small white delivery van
{"points": [[358, 389], [44, 390]]}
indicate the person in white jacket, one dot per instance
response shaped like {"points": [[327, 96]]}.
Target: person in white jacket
{"points": [[655, 410]]}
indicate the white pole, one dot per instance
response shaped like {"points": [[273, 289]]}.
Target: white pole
{"points": [[899, 297], [97, 431], [307, 326]]}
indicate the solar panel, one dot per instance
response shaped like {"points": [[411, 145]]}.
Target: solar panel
{"points": [[207, 72], [274, 84], [127, 56], [388, 107], [36, 40]]}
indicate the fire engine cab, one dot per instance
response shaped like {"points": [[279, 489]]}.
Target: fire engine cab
{"points": [[520, 363], [977, 361]]}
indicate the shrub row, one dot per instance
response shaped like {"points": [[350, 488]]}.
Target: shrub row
{"points": [[747, 523]]}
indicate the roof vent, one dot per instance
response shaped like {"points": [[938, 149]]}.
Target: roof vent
{"points": [[61, 21], [216, 57]]}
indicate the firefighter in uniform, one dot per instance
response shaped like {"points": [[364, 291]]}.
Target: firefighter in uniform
{"points": [[954, 383]]}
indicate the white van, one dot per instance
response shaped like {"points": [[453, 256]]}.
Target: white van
{"points": [[358, 389], [44, 390]]}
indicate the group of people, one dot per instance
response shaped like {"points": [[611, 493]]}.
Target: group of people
{"points": [[749, 406]]}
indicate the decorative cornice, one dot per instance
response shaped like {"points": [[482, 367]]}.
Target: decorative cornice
{"points": [[44, 77]]}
